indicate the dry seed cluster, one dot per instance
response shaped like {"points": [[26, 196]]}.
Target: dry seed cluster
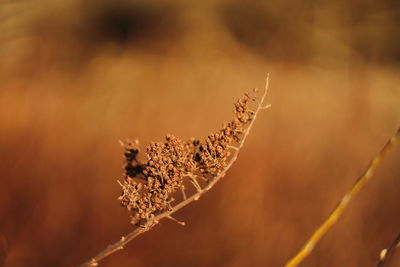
{"points": [[148, 187]]}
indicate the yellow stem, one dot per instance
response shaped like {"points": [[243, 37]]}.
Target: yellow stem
{"points": [[337, 212]]}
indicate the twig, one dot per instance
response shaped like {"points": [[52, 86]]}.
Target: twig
{"points": [[337, 212], [175, 220], [183, 192], [167, 214], [386, 254], [194, 182]]}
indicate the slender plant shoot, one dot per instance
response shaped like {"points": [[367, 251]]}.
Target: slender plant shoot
{"points": [[387, 253], [337, 212], [156, 188]]}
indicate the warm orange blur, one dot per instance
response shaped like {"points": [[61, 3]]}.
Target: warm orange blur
{"points": [[77, 76]]}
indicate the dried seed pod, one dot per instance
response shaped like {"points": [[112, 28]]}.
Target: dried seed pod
{"points": [[173, 161]]}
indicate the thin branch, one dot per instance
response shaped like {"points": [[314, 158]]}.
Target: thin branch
{"points": [[387, 253], [175, 220], [183, 192], [167, 214], [234, 148], [194, 182], [337, 212]]}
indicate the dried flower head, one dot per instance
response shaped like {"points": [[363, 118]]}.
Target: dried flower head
{"points": [[149, 187]]}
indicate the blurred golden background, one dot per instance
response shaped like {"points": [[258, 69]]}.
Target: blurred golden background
{"points": [[77, 76]]}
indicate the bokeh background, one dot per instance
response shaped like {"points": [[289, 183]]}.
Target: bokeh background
{"points": [[77, 76]]}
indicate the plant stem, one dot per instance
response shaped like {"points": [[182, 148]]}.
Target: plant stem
{"points": [[120, 244], [337, 212], [387, 253]]}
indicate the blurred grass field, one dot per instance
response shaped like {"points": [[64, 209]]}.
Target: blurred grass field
{"points": [[77, 76]]}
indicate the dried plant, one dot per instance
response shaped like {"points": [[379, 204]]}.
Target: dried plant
{"points": [[338, 211], [156, 188], [387, 253]]}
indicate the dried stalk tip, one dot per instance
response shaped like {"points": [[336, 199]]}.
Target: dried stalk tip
{"points": [[93, 262], [148, 186], [383, 253]]}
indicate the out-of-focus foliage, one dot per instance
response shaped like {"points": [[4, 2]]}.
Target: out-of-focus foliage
{"points": [[77, 76]]}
